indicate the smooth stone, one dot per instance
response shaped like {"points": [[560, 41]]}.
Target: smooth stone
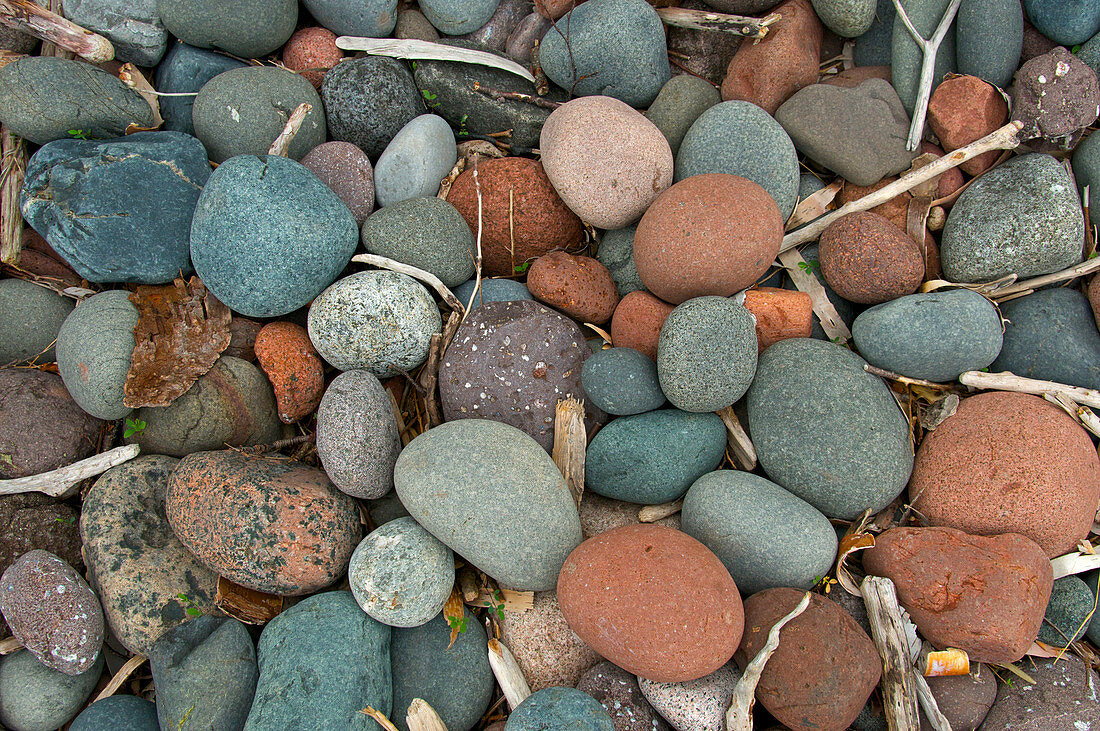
{"points": [[118, 713], [694, 705], [654, 457], [492, 290], [680, 102], [1055, 96], [244, 28], [780, 314], [579, 286], [765, 536], [205, 674], [846, 18], [415, 161], [618, 692], [1089, 53], [493, 495], [34, 697], [906, 57], [616, 252], [373, 19], [32, 317], [874, 48], [1064, 696], [1066, 22], [549, 653], [345, 169], [94, 347], [457, 17], [493, 36], [386, 508], [357, 439], [411, 23], [1068, 613], [424, 232], [368, 101], [133, 28], [559, 708], [268, 236], [186, 69], [963, 699], [989, 38], [41, 427], [521, 41], [1086, 165], [321, 662], [622, 381]]}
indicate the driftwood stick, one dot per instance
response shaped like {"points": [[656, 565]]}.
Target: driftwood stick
{"points": [[515, 96], [509, 676], [14, 152], [426, 277], [379, 717], [814, 205], [570, 439], [898, 691], [58, 483], [422, 717], [26, 16], [738, 25], [928, 702], [930, 49], [9, 645], [480, 227], [891, 376], [428, 51], [798, 270], [121, 676], [738, 439], [293, 124], [1030, 285], [653, 513], [1007, 381]]}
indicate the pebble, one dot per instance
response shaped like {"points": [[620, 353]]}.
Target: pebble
{"points": [[492, 290], [874, 48], [680, 102], [312, 52], [964, 699], [133, 28], [34, 697], [579, 286], [619, 694], [425, 232], [522, 39], [906, 56], [1030, 351], [1068, 612], [780, 314], [457, 17], [1067, 22], [868, 260], [616, 252], [245, 28], [548, 652], [386, 508], [1090, 53], [186, 69], [846, 18], [989, 38], [32, 317], [705, 53], [1035, 43], [41, 427], [556, 708], [347, 171], [694, 705], [1086, 169], [357, 438], [1064, 692], [118, 713], [411, 23], [493, 36], [965, 109], [637, 322], [373, 19], [294, 368], [415, 161], [368, 100], [94, 347], [622, 381], [1055, 96]]}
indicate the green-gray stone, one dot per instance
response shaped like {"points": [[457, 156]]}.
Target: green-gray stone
{"points": [[186, 69], [680, 102], [34, 697], [846, 18], [132, 26], [1086, 163], [989, 37], [874, 48], [906, 57], [373, 19], [1066, 22], [556, 708], [1067, 616], [94, 347], [118, 713], [458, 17], [427, 233], [1089, 53], [492, 290], [368, 100], [244, 28], [622, 381], [32, 317], [616, 252], [1092, 581], [414, 162]]}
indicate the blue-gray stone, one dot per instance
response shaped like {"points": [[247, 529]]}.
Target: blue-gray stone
{"points": [[493, 495], [653, 457], [680, 102], [132, 26], [875, 47], [1051, 335], [557, 708], [386, 508], [808, 184], [244, 28], [186, 69], [415, 161], [43, 98], [1092, 581], [706, 353], [268, 236], [622, 381], [118, 210], [456, 682], [372, 19], [934, 336], [368, 101], [740, 138], [457, 17], [846, 18], [1086, 167], [492, 290], [1089, 53], [321, 662], [32, 317], [426, 232], [1021, 217], [906, 57], [826, 430], [764, 535], [616, 252], [989, 35], [493, 36], [1066, 22], [118, 713], [34, 697], [94, 346], [1067, 616], [205, 674], [616, 48]]}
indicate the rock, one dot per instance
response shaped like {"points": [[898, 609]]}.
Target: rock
{"points": [[1001, 585], [934, 336], [1068, 612], [523, 37], [375, 19], [853, 77], [311, 52], [401, 575], [604, 595], [579, 286], [680, 102], [548, 652], [738, 138], [846, 18], [1090, 53], [964, 699], [873, 48], [637, 322], [616, 252], [867, 259], [622, 381], [769, 71], [1068, 22], [1056, 96], [779, 314], [1063, 697], [965, 109], [411, 23], [245, 247], [321, 662], [687, 245], [989, 38], [747, 520], [94, 347], [705, 53], [118, 712], [41, 427], [43, 97], [205, 674], [456, 681], [17, 41], [386, 508], [1029, 350], [293, 367], [844, 308], [1023, 217], [357, 439], [32, 317], [34, 697], [186, 69], [456, 17], [906, 56], [134, 29], [368, 100], [653, 457], [347, 171], [244, 28], [492, 290], [415, 161], [618, 692], [843, 445], [522, 215], [822, 121], [427, 233], [493, 35], [706, 354], [553, 708], [695, 705], [1086, 169]]}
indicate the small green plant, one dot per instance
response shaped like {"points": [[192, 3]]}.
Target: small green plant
{"points": [[498, 608], [826, 582], [429, 97], [521, 268], [462, 131], [188, 605], [68, 519], [133, 426], [7, 458], [79, 134], [809, 266], [414, 65], [457, 623]]}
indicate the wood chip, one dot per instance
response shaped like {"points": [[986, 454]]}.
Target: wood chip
{"points": [[814, 205], [856, 539], [422, 717], [246, 605], [888, 631], [653, 513], [51, 27], [570, 440], [939, 412], [807, 282], [509, 676], [281, 145], [1074, 563], [454, 611], [8, 645], [513, 601], [380, 717], [131, 75], [738, 440], [738, 25]]}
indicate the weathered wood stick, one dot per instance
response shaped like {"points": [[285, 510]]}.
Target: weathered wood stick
{"points": [[26, 16], [1029, 285], [477, 241], [509, 676], [121, 676], [805, 281], [57, 483], [379, 717], [899, 694], [428, 51], [422, 717], [814, 205], [929, 49], [515, 96], [570, 440], [738, 439], [928, 702], [739, 25], [426, 277], [653, 513], [9, 645], [293, 124], [14, 152], [1008, 381]]}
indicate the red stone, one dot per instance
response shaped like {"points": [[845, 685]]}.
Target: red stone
{"points": [[867, 259], [637, 322], [311, 52], [294, 368], [780, 314], [965, 109], [579, 286]]}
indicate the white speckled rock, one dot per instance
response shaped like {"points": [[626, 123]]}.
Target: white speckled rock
{"points": [[697, 705]]}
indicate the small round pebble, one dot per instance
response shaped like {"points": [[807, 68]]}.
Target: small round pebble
{"points": [[34, 697], [579, 286], [311, 52], [622, 381], [681, 100], [492, 290], [427, 233], [617, 254], [457, 17], [637, 322], [292, 365], [94, 347], [867, 259], [618, 691], [32, 317], [694, 705], [1067, 613], [551, 709], [347, 171], [415, 161], [118, 713]]}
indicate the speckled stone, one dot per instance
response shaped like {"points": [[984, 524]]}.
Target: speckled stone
{"points": [[419, 156], [32, 317], [133, 28], [616, 252], [368, 101], [118, 713], [94, 347], [426, 232], [873, 48], [186, 69], [1086, 164], [964, 699], [294, 368], [705, 53], [557, 708], [345, 169], [457, 17], [622, 381], [411, 23], [244, 28], [680, 102], [866, 259], [1067, 616], [1090, 53], [41, 427], [989, 38], [311, 52], [579, 286], [906, 57], [618, 692], [1064, 696], [694, 705], [548, 652], [374, 19], [846, 18], [492, 290], [1056, 96], [34, 697]]}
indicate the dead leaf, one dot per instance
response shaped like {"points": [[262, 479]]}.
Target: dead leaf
{"points": [[454, 611], [939, 411], [856, 539], [131, 76], [814, 205], [246, 605]]}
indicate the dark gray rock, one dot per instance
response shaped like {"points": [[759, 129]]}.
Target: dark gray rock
{"points": [[17, 41], [41, 426], [1056, 96], [94, 347], [357, 440], [1086, 169], [415, 161], [846, 18], [386, 508], [373, 19], [616, 252], [680, 102], [559, 708], [617, 690], [1067, 22], [186, 69], [875, 47], [118, 713], [1090, 53], [244, 28], [622, 381], [906, 57], [456, 17], [493, 36], [703, 52], [492, 290], [989, 38], [368, 101], [134, 28], [426, 232], [34, 697], [1067, 616], [963, 699], [1064, 696], [32, 317]]}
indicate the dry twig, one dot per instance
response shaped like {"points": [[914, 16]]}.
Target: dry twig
{"points": [[738, 25], [929, 49], [509, 676], [515, 96], [805, 281], [480, 226], [570, 440], [121, 676], [888, 631], [738, 439], [282, 143], [27, 16], [428, 51], [14, 152], [59, 483], [426, 277], [653, 513], [1007, 381]]}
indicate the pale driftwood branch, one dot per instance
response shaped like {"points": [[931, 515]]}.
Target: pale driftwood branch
{"points": [[509, 676], [9, 645], [930, 49], [807, 282], [570, 439], [28, 17], [1074, 563], [293, 124], [1083, 415], [891, 376], [928, 702], [426, 277], [814, 205], [653, 513], [131, 75], [422, 717], [428, 51], [1000, 139], [887, 629], [739, 716], [738, 25], [477, 257], [14, 152], [121, 676], [59, 483], [380, 718], [1007, 381], [738, 440], [1030, 285]]}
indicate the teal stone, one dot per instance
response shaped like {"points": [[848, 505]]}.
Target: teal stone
{"points": [[492, 290], [427, 233], [680, 102], [616, 252], [1066, 22], [34, 697], [558, 708], [875, 47], [94, 347], [1067, 616], [132, 26], [1092, 581], [906, 57], [184, 70], [1089, 53], [846, 18], [622, 381], [1086, 165], [653, 457], [371, 19], [321, 662], [458, 17], [368, 100], [244, 28], [417, 158], [808, 184], [118, 713], [32, 318], [989, 35]]}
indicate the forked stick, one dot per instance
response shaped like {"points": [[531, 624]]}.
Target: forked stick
{"points": [[58, 483], [929, 48]]}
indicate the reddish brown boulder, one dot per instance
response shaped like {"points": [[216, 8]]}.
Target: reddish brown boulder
{"points": [[652, 600], [824, 668], [984, 595], [1094, 298], [712, 234], [522, 216], [869, 260], [965, 109], [311, 52], [41, 427], [579, 286], [896, 210], [554, 9], [853, 77], [769, 71], [637, 322], [294, 368], [780, 314]]}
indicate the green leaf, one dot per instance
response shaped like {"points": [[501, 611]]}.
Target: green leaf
{"points": [[133, 426], [521, 268], [194, 612], [7, 458], [70, 519], [182, 597], [1075, 49]]}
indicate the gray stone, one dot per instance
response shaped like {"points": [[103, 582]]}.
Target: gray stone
{"points": [[205, 674], [411, 23], [134, 28], [34, 697], [875, 47], [493, 36], [244, 28], [32, 317], [934, 336], [706, 354], [740, 138], [372, 19], [386, 508], [321, 662], [742, 6], [492, 290], [616, 48], [617, 690], [906, 57], [1068, 612], [989, 38], [808, 184], [456, 17], [616, 252], [426, 232], [694, 705], [118, 713], [654, 457], [680, 102], [846, 18], [357, 439], [345, 169], [1064, 697], [858, 133], [559, 708], [1021, 217], [622, 381], [94, 347], [380, 321], [368, 101], [826, 430], [493, 495], [415, 161], [186, 69], [963, 699], [17, 41], [1067, 22], [1090, 53], [41, 427], [1086, 169]]}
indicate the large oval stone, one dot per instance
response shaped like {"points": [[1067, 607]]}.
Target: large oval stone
{"points": [[34, 697], [558, 707], [94, 347], [245, 28], [32, 316]]}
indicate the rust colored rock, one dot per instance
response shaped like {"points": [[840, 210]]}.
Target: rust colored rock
{"points": [[768, 72], [522, 216], [950, 181], [548, 652], [824, 668], [965, 109], [311, 52], [897, 210], [637, 322], [1009, 463], [291, 363], [712, 234], [853, 77], [579, 286], [554, 9], [265, 523], [867, 259], [984, 595], [780, 314], [652, 600]]}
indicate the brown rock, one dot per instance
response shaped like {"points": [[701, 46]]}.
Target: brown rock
{"points": [[311, 52], [347, 171], [824, 668], [1094, 298], [554, 9], [1035, 43], [984, 595], [41, 427], [896, 210], [291, 363], [522, 216], [653, 601], [637, 322], [713, 234], [1009, 463], [579, 286], [411, 23], [780, 314], [1063, 698], [548, 652], [702, 52], [242, 338], [963, 699], [38, 257], [768, 72], [853, 77], [869, 260], [600, 514], [965, 109], [1056, 96]]}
